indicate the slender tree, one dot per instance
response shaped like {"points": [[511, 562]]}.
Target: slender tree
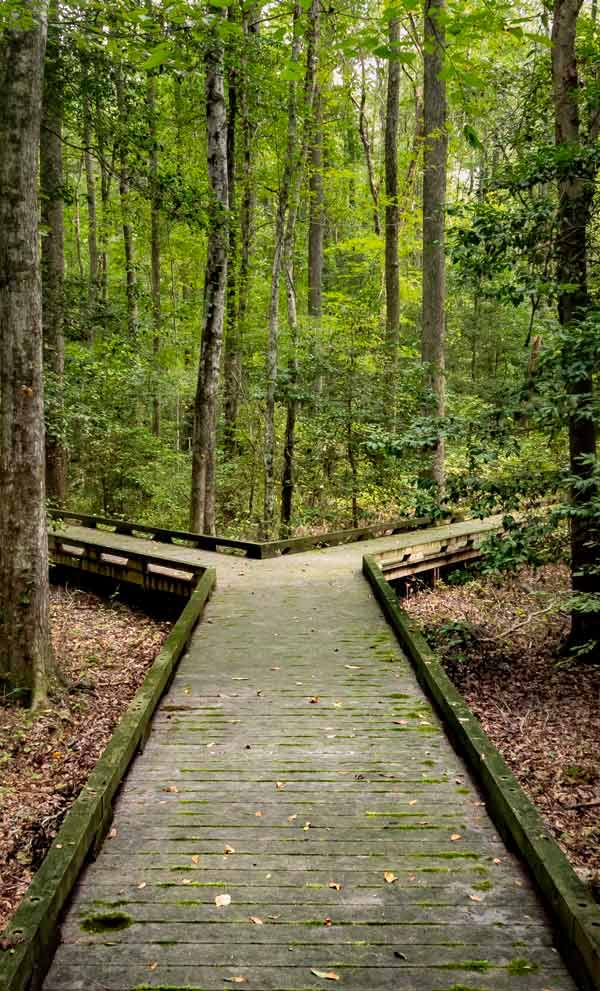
{"points": [[204, 441], [126, 225], [25, 648], [90, 186], [155, 246], [576, 191], [53, 263], [392, 212], [435, 156]]}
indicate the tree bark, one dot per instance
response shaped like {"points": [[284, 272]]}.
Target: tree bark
{"points": [[202, 515], [128, 249], [316, 208], [232, 364], [25, 646], [435, 157], [155, 249], [392, 216], [575, 200], [363, 130], [90, 181], [53, 269], [290, 166]]}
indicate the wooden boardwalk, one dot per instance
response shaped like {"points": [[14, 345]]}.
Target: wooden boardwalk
{"points": [[297, 772]]}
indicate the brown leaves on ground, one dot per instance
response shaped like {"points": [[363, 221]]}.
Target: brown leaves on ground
{"points": [[104, 650], [500, 639]]}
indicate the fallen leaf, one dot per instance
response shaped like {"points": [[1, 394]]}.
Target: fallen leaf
{"points": [[337, 705], [455, 837], [228, 849], [497, 860], [195, 858], [275, 669], [327, 975], [258, 813], [306, 826], [390, 877], [186, 880], [335, 886], [255, 919], [352, 667], [153, 965], [280, 785], [314, 699], [401, 956], [328, 921], [331, 736], [475, 898], [211, 744], [172, 788], [142, 884], [237, 678], [236, 980], [292, 818], [414, 802], [112, 833], [399, 722], [222, 900]]}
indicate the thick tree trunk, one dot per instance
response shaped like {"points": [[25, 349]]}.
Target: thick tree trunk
{"points": [[392, 217], [155, 250], [25, 647], [435, 156], [53, 272], [575, 199], [287, 479], [204, 443]]}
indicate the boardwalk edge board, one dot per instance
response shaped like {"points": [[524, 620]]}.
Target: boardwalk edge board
{"points": [[250, 548], [34, 927], [575, 912]]}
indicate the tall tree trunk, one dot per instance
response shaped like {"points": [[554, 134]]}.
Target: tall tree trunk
{"points": [[316, 207], [435, 158], [575, 200], [392, 216], [128, 250], [363, 130], [287, 479], [25, 647], [53, 268], [105, 183], [290, 166], [90, 181], [155, 252], [202, 515], [232, 343]]}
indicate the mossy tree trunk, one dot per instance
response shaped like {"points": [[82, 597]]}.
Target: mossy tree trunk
{"points": [[25, 646]]}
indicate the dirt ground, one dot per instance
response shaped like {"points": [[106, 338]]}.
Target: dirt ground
{"points": [[500, 640], [104, 650]]}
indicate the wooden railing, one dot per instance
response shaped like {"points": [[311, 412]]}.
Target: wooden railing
{"points": [[151, 573], [433, 555], [248, 548]]}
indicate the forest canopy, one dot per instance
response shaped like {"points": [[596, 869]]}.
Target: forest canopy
{"points": [[309, 264]]}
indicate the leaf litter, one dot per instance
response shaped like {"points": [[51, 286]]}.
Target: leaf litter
{"points": [[500, 639], [104, 650]]}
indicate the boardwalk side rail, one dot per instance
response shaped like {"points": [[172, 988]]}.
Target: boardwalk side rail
{"points": [[248, 548], [30, 939], [572, 905], [435, 554], [153, 574]]}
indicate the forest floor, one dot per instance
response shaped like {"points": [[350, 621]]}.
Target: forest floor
{"points": [[499, 639], [104, 650]]}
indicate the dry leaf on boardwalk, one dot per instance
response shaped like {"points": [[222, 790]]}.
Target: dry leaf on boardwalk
{"points": [[221, 901], [236, 980], [455, 837], [280, 785], [255, 919], [228, 849], [335, 886], [390, 877], [326, 975], [314, 699]]}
